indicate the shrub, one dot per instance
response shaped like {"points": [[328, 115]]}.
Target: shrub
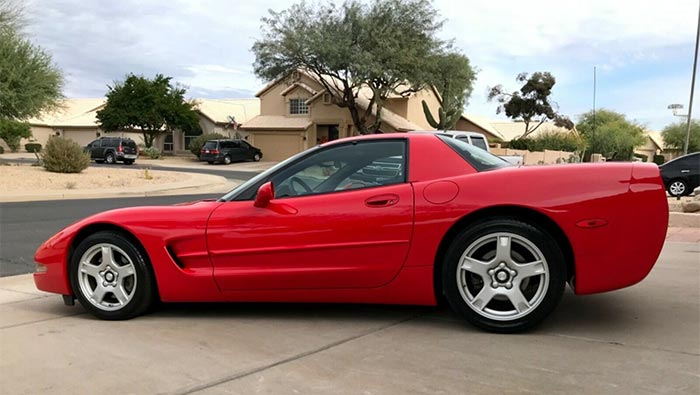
{"points": [[550, 141], [2, 150], [64, 156], [32, 147], [197, 144], [152, 152], [658, 159], [13, 131]]}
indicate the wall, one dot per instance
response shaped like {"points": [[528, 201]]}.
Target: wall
{"points": [[546, 157], [415, 108]]}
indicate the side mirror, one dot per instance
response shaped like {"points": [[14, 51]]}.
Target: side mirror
{"points": [[266, 192]]}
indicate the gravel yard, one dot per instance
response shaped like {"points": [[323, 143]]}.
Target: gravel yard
{"points": [[24, 178]]}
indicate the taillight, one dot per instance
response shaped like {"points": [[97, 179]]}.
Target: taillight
{"points": [[120, 149], [215, 151]]}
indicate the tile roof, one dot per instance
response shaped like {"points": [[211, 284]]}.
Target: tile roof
{"points": [[218, 110], [277, 122]]}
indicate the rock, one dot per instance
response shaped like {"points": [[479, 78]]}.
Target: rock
{"points": [[691, 207]]}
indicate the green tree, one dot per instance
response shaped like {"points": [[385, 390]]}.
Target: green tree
{"points": [[674, 136], [154, 106], [453, 77], [531, 103], [29, 81], [611, 134], [12, 132], [386, 47]]}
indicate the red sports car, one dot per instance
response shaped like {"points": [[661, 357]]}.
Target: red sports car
{"points": [[393, 218]]}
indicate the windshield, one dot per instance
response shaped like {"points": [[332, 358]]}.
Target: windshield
{"points": [[235, 192], [479, 159]]}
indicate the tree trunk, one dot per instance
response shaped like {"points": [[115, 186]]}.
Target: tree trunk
{"points": [[148, 137]]}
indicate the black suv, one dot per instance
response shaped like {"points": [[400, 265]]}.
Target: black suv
{"points": [[681, 175], [227, 151], [113, 149]]}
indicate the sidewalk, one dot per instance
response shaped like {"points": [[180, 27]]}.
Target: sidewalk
{"points": [[169, 161]]}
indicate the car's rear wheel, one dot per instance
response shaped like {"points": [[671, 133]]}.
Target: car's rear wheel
{"points": [[109, 158], [227, 160], [128, 162], [677, 188], [211, 162], [111, 277], [503, 275]]}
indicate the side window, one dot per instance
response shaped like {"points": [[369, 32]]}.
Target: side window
{"points": [[349, 166], [225, 145], [94, 144], [479, 142], [235, 144], [244, 144]]}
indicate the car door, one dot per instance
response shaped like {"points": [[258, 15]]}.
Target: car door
{"points": [[690, 168], [95, 148], [236, 150], [341, 218]]}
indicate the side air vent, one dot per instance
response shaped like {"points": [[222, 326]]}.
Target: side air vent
{"points": [[174, 257]]}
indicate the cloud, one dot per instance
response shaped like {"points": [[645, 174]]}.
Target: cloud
{"points": [[205, 45]]}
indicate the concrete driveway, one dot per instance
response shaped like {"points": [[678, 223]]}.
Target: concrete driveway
{"points": [[639, 340]]}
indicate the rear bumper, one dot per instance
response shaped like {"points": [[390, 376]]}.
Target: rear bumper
{"points": [[623, 252], [211, 158]]}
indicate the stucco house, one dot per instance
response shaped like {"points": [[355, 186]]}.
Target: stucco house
{"points": [[76, 119], [296, 113]]}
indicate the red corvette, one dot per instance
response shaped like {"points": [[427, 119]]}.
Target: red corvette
{"points": [[394, 218]]}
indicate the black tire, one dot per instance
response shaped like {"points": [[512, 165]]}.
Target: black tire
{"points": [[128, 161], [99, 161], [141, 293], [109, 158], [678, 187], [211, 162], [227, 160], [526, 243]]}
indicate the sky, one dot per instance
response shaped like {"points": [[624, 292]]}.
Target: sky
{"points": [[642, 50]]}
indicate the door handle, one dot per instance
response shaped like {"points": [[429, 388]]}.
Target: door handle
{"points": [[685, 171], [385, 200]]}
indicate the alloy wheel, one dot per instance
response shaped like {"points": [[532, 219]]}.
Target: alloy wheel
{"points": [[502, 276], [107, 277], [677, 188]]}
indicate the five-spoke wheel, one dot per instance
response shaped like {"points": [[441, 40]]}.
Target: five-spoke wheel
{"points": [[503, 275], [110, 276]]}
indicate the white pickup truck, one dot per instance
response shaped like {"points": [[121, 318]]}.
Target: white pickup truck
{"points": [[478, 140]]}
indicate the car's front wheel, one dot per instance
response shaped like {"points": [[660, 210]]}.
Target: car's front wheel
{"points": [[257, 157], [111, 277], [677, 188], [503, 275]]}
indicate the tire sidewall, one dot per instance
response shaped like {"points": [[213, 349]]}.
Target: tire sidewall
{"points": [[554, 260], [109, 158], [143, 295]]}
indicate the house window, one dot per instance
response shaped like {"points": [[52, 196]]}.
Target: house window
{"points": [[298, 106]]}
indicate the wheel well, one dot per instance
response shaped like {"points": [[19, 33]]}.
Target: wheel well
{"points": [[522, 213], [99, 227]]}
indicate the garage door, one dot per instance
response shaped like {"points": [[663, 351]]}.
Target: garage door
{"points": [[278, 146]]}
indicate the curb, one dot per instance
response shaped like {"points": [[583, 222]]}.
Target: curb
{"points": [[684, 220], [202, 183]]}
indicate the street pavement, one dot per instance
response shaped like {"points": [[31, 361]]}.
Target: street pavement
{"points": [[643, 339], [25, 225]]}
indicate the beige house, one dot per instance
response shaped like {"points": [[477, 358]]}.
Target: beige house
{"points": [[296, 113], [77, 120], [654, 145]]}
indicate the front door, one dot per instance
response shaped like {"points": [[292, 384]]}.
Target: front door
{"points": [[341, 218]]}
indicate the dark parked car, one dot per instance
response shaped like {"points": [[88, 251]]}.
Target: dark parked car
{"points": [[681, 175], [227, 151], [113, 149]]}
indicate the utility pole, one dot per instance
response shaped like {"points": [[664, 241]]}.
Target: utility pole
{"points": [[692, 87], [594, 83]]}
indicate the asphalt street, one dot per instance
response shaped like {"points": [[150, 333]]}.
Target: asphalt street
{"points": [[25, 225]]}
